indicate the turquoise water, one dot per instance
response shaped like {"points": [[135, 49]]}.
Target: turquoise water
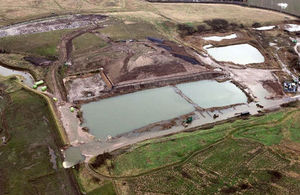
{"points": [[210, 93], [125, 113], [238, 54], [122, 114]]}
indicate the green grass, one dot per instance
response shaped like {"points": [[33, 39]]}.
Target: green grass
{"points": [[264, 135], [87, 41], [151, 155], [223, 167], [42, 44], [273, 134], [148, 155], [25, 161], [107, 189], [294, 129], [138, 30]]}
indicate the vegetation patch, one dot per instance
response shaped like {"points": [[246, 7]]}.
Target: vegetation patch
{"points": [[26, 156], [229, 158], [107, 189], [87, 42], [135, 30], [41, 44], [16, 61]]}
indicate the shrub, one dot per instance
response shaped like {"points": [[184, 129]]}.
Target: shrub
{"points": [[217, 24], [256, 25], [185, 29]]}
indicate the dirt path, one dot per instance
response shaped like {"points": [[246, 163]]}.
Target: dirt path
{"points": [[65, 50]]}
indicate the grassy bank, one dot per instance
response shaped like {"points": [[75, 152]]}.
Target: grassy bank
{"points": [[16, 61], [25, 159], [152, 154], [259, 155], [233, 166], [253, 156]]}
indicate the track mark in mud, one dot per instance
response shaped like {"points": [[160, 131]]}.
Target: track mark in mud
{"points": [[125, 66], [58, 5]]}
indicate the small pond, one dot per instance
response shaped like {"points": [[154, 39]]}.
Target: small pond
{"points": [[73, 156], [220, 38], [238, 54], [27, 78]]}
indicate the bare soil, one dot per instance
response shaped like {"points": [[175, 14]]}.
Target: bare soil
{"points": [[124, 62], [274, 86], [38, 61]]}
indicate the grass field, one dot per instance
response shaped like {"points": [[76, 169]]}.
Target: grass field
{"points": [[135, 30], [107, 189], [41, 44], [145, 156], [86, 42], [230, 167], [12, 11], [246, 156], [195, 13], [25, 159]]}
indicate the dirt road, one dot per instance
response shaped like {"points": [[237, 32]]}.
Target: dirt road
{"points": [[65, 50]]}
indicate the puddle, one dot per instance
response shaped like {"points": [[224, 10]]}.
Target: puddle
{"points": [[52, 158], [73, 156], [220, 38], [292, 27], [26, 77], [265, 28], [238, 54]]}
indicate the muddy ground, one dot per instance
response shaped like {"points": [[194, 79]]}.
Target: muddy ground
{"points": [[132, 62], [128, 61], [81, 88]]}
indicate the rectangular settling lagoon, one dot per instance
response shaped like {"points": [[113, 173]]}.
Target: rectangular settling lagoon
{"points": [[210, 93], [125, 113], [238, 54], [122, 114]]}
